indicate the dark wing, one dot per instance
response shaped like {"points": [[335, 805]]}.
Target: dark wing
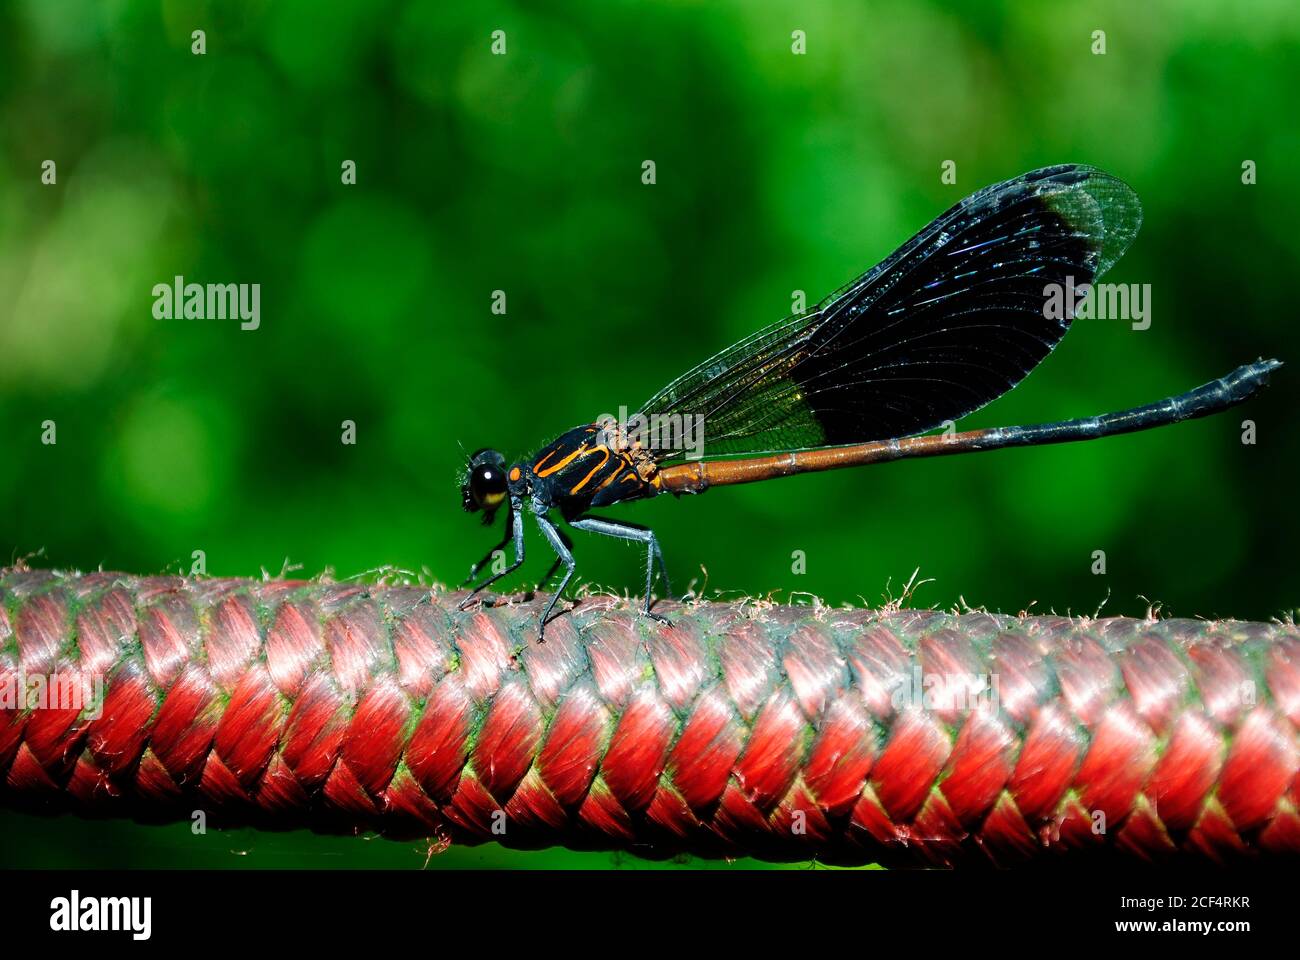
{"points": [[952, 320]]}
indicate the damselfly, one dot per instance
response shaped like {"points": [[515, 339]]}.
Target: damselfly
{"points": [[955, 318]]}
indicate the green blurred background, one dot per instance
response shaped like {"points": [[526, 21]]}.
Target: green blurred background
{"points": [[522, 173]]}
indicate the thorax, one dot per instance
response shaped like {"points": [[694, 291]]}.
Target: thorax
{"points": [[587, 466]]}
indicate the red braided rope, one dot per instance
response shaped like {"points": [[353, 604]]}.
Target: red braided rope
{"points": [[785, 733]]}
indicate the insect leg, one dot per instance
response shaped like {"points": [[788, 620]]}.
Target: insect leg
{"points": [[473, 571], [558, 562], [554, 537], [627, 531], [517, 529]]}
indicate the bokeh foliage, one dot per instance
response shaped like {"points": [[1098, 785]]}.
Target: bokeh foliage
{"points": [[522, 173]]}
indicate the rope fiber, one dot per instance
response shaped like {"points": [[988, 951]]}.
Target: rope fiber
{"points": [[903, 737]]}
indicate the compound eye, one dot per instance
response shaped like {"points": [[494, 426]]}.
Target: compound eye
{"points": [[488, 484]]}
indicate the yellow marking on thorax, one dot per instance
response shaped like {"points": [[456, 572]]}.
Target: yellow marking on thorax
{"points": [[537, 468], [600, 466]]}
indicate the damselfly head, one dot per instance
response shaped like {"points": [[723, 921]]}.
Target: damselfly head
{"points": [[485, 484]]}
